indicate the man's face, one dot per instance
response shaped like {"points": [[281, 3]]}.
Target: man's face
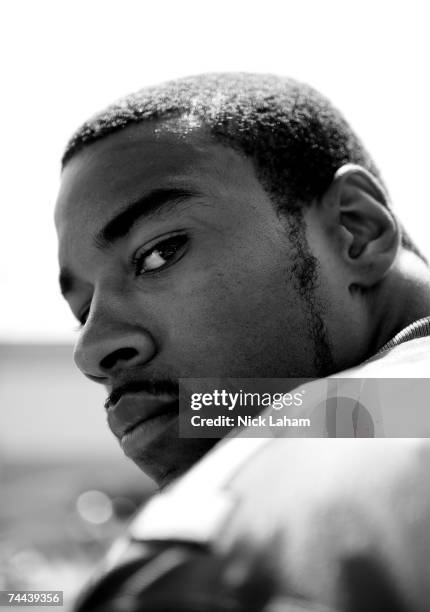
{"points": [[178, 265]]}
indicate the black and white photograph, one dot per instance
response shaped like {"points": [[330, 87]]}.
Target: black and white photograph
{"points": [[215, 298]]}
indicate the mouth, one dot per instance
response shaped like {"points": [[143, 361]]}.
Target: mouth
{"points": [[165, 390], [133, 412]]}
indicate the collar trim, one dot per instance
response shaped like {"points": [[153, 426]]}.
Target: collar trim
{"points": [[417, 329]]}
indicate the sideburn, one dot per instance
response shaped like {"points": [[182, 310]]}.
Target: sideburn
{"points": [[305, 273]]}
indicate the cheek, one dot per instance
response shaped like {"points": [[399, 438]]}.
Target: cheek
{"points": [[251, 324]]}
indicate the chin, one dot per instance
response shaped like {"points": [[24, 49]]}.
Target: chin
{"points": [[169, 460]]}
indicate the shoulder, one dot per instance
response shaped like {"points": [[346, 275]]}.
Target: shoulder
{"points": [[323, 508], [408, 360]]}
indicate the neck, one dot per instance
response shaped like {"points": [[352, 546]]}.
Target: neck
{"points": [[402, 298]]}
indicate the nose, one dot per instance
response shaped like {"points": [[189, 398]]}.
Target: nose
{"points": [[110, 343]]}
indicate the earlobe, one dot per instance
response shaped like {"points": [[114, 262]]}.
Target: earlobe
{"points": [[368, 233]]}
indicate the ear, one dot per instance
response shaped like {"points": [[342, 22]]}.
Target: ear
{"points": [[366, 231]]}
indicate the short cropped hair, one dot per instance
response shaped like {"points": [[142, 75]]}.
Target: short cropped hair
{"points": [[295, 137]]}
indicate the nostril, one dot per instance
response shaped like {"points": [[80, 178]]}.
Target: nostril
{"points": [[122, 354]]}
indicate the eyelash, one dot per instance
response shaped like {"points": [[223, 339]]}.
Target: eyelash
{"points": [[180, 239]]}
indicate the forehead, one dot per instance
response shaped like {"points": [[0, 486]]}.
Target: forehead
{"points": [[121, 167]]}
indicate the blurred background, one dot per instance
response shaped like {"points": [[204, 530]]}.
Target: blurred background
{"points": [[66, 489]]}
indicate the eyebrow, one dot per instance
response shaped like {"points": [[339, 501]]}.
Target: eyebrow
{"points": [[156, 201]]}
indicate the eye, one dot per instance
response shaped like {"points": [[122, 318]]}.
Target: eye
{"points": [[82, 318], [160, 255]]}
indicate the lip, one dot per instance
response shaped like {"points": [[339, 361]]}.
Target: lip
{"points": [[144, 434], [136, 408]]}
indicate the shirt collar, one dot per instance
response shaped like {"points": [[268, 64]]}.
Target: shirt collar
{"points": [[417, 329]]}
